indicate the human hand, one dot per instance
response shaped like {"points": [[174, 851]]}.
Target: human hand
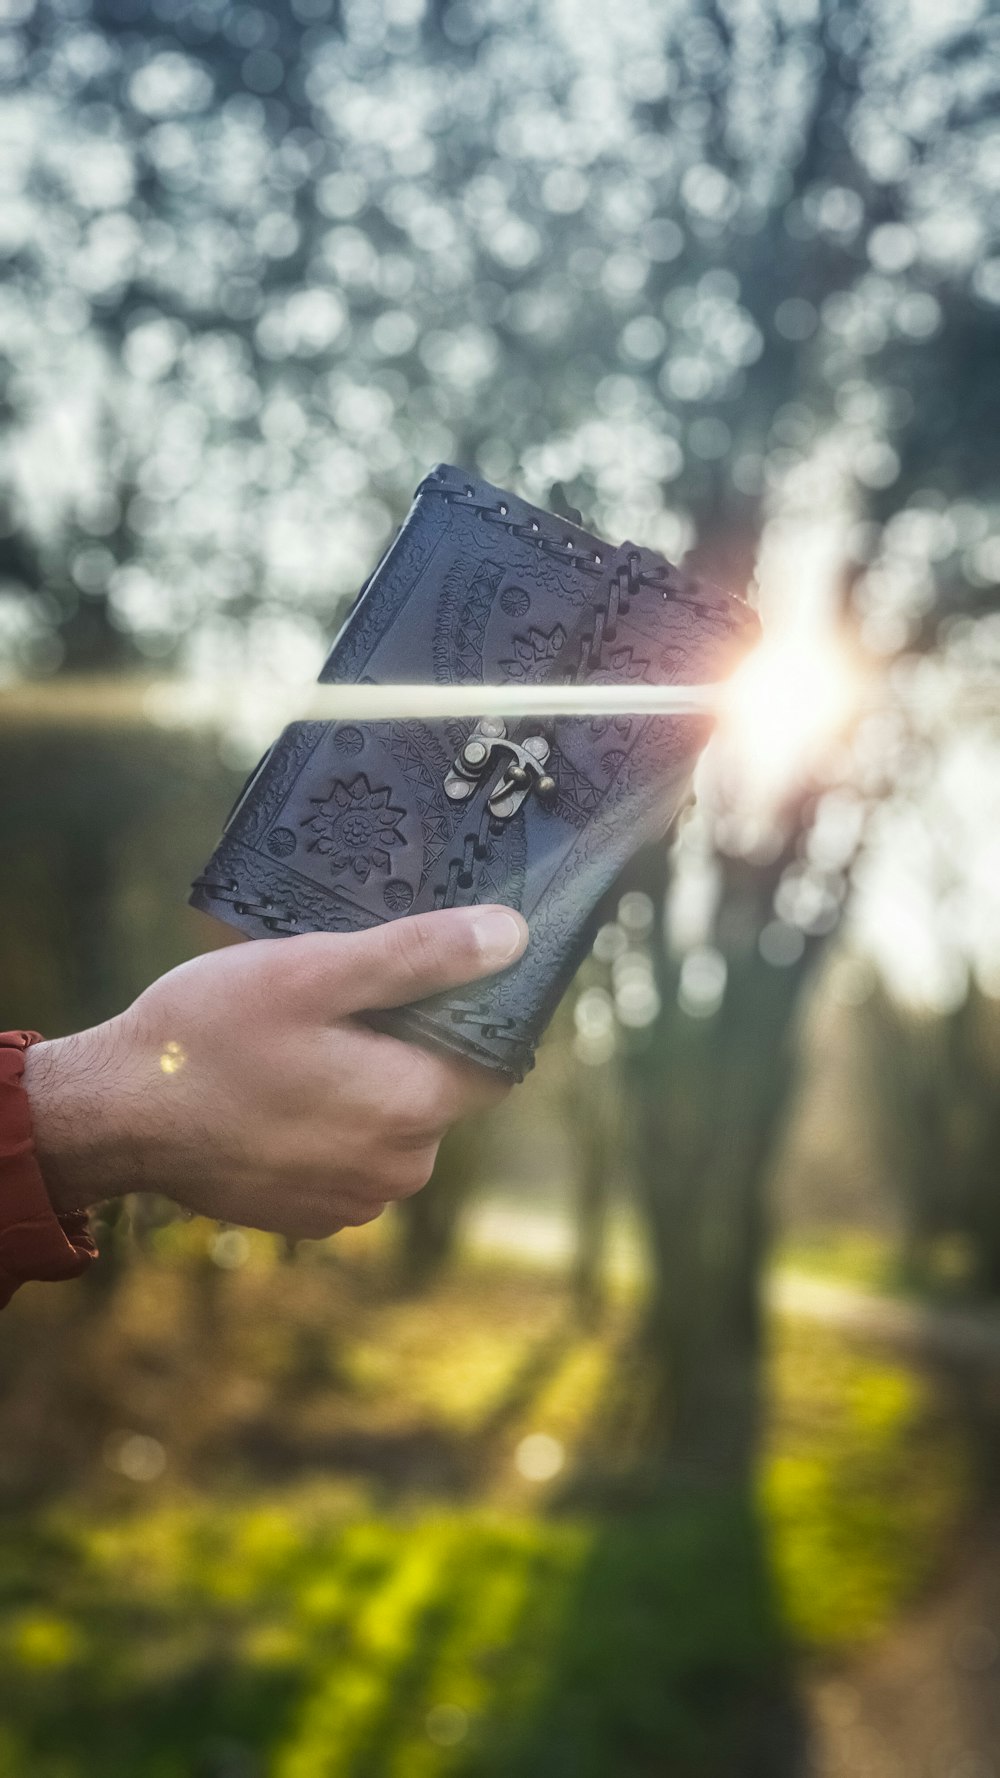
{"points": [[243, 1085]]}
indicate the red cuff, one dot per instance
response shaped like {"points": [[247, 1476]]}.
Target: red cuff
{"points": [[34, 1241]]}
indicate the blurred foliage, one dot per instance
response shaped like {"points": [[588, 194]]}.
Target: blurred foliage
{"points": [[145, 1622], [934, 1097], [430, 1219], [861, 1257], [268, 263], [103, 831], [437, 1645], [727, 277], [851, 1535]]}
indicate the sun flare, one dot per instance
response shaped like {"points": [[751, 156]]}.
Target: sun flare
{"points": [[785, 706]]}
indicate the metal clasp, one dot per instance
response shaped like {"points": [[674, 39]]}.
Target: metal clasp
{"points": [[525, 772]]}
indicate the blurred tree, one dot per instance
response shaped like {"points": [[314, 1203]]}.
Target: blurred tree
{"points": [[429, 1222], [595, 1126], [711, 1079], [261, 273], [101, 849], [933, 1080], [718, 272]]}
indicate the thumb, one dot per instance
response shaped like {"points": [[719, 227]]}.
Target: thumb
{"points": [[423, 954]]}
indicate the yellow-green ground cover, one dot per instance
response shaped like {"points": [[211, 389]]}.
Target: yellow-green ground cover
{"points": [[342, 1572]]}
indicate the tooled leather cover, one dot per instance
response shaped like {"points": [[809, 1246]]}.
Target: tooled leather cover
{"points": [[344, 825]]}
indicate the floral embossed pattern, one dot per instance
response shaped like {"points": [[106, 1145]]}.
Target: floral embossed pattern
{"points": [[355, 827], [534, 654]]}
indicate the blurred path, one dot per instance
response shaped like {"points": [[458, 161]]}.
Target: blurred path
{"points": [[925, 1703], [968, 1336], [546, 1238]]}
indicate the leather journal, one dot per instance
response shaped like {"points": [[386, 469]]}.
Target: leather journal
{"points": [[344, 824]]}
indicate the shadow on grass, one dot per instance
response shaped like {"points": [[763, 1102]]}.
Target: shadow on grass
{"points": [[668, 1658], [282, 1644], [426, 1456]]}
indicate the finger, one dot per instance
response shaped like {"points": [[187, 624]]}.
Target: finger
{"points": [[363, 1214], [434, 1097], [476, 1088], [393, 1173], [409, 1174], [319, 1220], [406, 959], [420, 1091]]}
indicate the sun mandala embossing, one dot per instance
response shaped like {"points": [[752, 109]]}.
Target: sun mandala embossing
{"points": [[281, 843], [355, 827], [348, 740], [397, 895], [515, 601]]}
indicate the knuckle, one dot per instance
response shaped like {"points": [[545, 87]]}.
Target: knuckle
{"points": [[415, 948], [406, 1115], [421, 1097], [404, 1181]]}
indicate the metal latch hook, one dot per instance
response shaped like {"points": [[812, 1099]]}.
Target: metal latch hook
{"points": [[525, 772]]}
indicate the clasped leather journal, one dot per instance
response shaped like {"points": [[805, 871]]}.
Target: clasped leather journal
{"points": [[346, 824]]}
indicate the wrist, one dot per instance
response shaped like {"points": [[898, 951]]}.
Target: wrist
{"points": [[83, 1151]]}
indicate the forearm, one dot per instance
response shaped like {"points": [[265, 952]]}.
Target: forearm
{"points": [[85, 1139]]}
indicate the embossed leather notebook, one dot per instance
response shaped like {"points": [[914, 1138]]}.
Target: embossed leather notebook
{"points": [[344, 825]]}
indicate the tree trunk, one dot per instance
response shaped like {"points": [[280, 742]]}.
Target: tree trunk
{"points": [[708, 1103], [593, 1111], [429, 1221]]}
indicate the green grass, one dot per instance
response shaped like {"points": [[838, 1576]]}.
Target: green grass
{"points": [[442, 1643], [363, 1623], [864, 1258], [939, 1270], [860, 1486]]}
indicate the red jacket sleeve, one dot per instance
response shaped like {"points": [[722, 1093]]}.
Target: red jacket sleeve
{"points": [[34, 1242]]}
